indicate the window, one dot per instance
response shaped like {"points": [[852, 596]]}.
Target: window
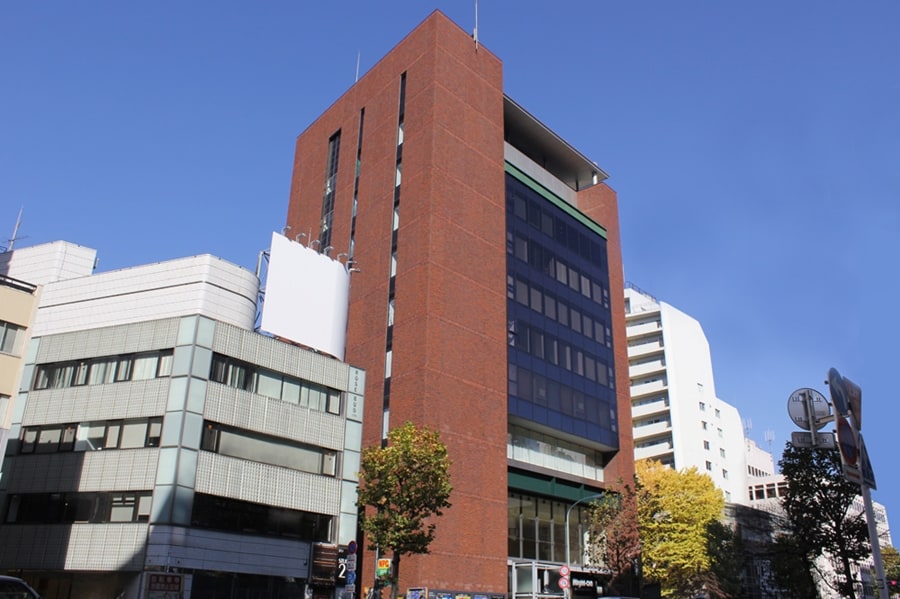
{"points": [[718, 413], [105, 370], [221, 513], [725, 474], [242, 375], [91, 436], [704, 425], [706, 445], [709, 465], [702, 406], [68, 508], [266, 449], [722, 451], [11, 337]]}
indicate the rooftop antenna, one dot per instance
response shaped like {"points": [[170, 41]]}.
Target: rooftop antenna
{"points": [[748, 426], [15, 234], [358, 54], [770, 436], [475, 33]]}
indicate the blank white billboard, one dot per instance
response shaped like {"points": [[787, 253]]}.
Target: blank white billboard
{"points": [[307, 295]]}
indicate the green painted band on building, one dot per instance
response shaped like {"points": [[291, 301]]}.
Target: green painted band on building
{"points": [[557, 201], [552, 487]]}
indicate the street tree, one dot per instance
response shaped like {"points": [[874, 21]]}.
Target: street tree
{"points": [[613, 542], [890, 561], [676, 509], [792, 568], [817, 506], [403, 486]]}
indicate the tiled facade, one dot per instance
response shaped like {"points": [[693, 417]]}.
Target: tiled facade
{"points": [[144, 444]]}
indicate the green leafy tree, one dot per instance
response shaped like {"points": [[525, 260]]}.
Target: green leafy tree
{"points": [[403, 486], [890, 561], [792, 568], [817, 505], [613, 542], [675, 511]]}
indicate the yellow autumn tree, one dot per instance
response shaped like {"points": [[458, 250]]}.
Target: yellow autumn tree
{"points": [[677, 509]]}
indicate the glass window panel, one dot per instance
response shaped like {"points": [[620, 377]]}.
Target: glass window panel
{"points": [[123, 369], [48, 440], [575, 320], [574, 279], [42, 378], [585, 286], [561, 273], [522, 292], [134, 434], [269, 384], [112, 435], [102, 371], [550, 307], [144, 367], [165, 364], [334, 401], [122, 508], [536, 297], [67, 442], [521, 248], [563, 311], [154, 432], [29, 438], [81, 373], [291, 391], [90, 436], [304, 396]]}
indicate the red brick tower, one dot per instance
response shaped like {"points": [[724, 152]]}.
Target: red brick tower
{"points": [[406, 173]]}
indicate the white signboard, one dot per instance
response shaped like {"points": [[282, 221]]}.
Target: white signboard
{"points": [[307, 295]]}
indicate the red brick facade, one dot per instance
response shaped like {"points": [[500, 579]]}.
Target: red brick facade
{"points": [[449, 334]]}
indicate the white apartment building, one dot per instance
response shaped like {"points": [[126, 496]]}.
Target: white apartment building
{"points": [[159, 444], [677, 417]]}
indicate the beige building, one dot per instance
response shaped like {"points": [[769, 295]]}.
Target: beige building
{"points": [[18, 303]]}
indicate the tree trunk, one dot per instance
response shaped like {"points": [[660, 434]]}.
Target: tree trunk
{"points": [[395, 574]]}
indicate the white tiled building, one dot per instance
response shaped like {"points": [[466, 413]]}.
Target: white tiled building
{"points": [[677, 417], [157, 440]]}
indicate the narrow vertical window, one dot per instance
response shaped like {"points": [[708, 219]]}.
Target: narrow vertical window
{"points": [[334, 147]]}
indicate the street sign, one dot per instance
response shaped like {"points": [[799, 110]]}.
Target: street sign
{"points": [[383, 567], [805, 439], [838, 392], [563, 582], [847, 441], [797, 403], [854, 401], [564, 570], [865, 466]]}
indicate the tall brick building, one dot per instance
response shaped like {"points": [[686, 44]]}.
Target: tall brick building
{"points": [[488, 303]]}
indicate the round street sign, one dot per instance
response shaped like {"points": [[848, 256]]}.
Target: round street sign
{"points": [[847, 442], [797, 409], [564, 570], [563, 583]]}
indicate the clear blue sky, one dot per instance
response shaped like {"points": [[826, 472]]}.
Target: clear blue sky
{"points": [[755, 148]]}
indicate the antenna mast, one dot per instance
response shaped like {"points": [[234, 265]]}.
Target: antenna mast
{"points": [[475, 33], [12, 240]]}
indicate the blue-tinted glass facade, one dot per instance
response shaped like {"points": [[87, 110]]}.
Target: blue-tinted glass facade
{"points": [[560, 354]]}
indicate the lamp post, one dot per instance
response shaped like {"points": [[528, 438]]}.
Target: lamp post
{"points": [[568, 511]]}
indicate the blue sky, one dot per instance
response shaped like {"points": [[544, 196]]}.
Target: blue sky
{"points": [[755, 148]]}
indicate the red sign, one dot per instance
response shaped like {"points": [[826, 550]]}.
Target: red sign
{"points": [[563, 583], [164, 582]]}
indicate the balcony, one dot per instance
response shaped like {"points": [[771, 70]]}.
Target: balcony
{"points": [[645, 409], [646, 367], [641, 328], [642, 389], [653, 346]]}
